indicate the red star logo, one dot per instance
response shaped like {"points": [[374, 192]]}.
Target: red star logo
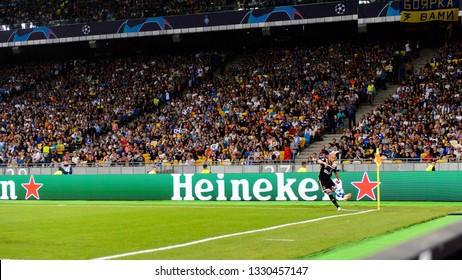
{"points": [[365, 187], [32, 188]]}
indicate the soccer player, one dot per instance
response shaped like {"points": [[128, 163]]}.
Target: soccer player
{"points": [[339, 192], [325, 174]]}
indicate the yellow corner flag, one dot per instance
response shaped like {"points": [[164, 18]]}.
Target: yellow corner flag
{"points": [[377, 159], [378, 162]]}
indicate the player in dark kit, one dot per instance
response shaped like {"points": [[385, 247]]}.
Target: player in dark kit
{"points": [[328, 186]]}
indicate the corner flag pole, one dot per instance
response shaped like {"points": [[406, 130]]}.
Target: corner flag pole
{"points": [[378, 162]]}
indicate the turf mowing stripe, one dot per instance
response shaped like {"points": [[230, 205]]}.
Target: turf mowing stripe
{"points": [[360, 249], [228, 235]]}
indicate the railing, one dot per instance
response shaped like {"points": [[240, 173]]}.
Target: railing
{"points": [[231, 167]]}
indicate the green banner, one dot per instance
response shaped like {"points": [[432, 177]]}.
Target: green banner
{"points": [[404, 186]]}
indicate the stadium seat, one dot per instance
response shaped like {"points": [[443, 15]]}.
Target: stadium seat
{"points": [[147, 157], [302, 143]]}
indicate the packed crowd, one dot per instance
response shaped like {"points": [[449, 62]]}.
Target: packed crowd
{"points": [[267, 108], [129, 110], [44, 12], [51, 110], [421, 122]]}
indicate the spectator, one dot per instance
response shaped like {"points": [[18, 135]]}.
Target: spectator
{"points": [[65, 168]]}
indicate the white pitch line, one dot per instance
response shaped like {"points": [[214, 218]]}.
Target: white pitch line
{"points": [[226, 236]]}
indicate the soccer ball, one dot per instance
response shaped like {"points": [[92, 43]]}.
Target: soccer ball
{"points": [[86, 29], [340, 9]]}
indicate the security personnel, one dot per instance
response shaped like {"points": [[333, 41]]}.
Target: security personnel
{"points": [[431, 166], [206, 170], [46, 152], [303, 167]]}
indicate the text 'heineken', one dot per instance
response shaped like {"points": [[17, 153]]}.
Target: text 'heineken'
{"points": [[262, 189]]}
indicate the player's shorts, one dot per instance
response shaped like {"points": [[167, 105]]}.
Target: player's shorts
{"points": [[326, 184]]}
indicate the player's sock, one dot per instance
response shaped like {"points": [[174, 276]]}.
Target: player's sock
{"points": [[334, 201]]}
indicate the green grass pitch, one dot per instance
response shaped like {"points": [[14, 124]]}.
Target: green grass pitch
{"points": [[166, 230]]}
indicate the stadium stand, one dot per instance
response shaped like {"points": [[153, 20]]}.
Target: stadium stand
{"points": [[421, 121], [27, 13], [104, 109], [80, 105], [173, 110]]}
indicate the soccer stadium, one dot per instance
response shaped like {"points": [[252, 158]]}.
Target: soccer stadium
{"points": [[230, 130]]}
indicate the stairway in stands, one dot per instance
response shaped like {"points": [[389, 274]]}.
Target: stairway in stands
{"points": [[425, 56]]}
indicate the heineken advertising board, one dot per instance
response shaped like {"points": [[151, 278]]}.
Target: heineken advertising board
{"points": [[404, 186]]}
